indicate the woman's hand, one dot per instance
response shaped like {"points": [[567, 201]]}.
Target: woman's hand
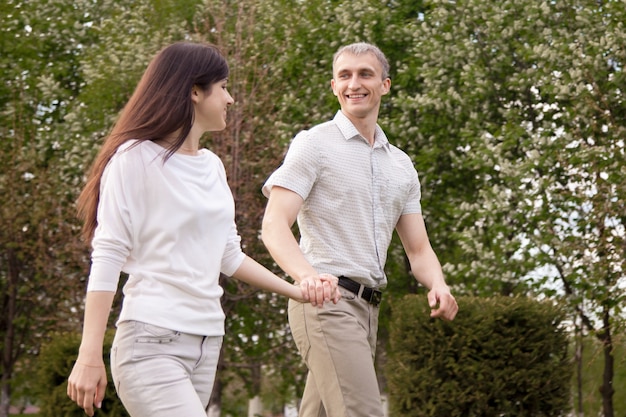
{"points": [[86, 385]]}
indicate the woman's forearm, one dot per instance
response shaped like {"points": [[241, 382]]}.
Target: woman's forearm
{"points": [[97, 309], [255, 274]]}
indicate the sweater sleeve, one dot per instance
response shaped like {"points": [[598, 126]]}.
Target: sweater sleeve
{"points": [[112, 238], [233, 255]]}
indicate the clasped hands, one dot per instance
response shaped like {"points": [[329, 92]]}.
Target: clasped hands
{"points": [[320, 289]]}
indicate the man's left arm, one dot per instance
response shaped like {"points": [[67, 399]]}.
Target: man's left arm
{"points": [[425, 265]]}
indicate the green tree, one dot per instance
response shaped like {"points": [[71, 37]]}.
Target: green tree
{"points": [[513, 113], [39, 261], [519, 121], [43, 265]]}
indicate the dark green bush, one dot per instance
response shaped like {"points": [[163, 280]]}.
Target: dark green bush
{"points": [[53, 368], [500, 357]]}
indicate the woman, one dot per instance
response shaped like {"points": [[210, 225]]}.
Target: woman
{"points": [[158, 207]]}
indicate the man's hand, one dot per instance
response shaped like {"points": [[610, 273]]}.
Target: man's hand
{"points": [[320, 289], [442, 303]]}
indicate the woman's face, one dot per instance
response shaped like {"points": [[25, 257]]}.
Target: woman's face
{"points": [[211, 106]]}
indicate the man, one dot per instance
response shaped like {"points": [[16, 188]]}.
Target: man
{"points": [[349, 189]]}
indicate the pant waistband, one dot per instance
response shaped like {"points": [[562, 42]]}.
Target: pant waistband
{"points": [[370, 295]]}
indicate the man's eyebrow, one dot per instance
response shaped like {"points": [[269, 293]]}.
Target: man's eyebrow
{"points": [[358, 69]]}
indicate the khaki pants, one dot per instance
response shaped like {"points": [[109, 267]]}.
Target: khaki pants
{"points": [[163, 373], [338, 343]]}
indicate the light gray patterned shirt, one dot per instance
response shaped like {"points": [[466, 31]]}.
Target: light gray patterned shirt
{"points": [[353, 196]]}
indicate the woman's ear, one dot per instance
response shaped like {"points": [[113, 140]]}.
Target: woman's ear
{"points": [[195, 94]]}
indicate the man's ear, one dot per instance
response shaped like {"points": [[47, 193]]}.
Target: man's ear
{"points": [[386, 85]]}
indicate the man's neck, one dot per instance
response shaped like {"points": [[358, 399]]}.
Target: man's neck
{"points": [[366, 126]]}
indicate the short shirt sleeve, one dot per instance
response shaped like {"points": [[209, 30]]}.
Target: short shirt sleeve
{"points": [[413, 204], [299, 170]]}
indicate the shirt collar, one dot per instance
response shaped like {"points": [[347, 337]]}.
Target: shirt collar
{"points": [[348, 130]]}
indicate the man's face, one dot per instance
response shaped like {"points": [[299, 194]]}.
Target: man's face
{"points": [[358, 84]]}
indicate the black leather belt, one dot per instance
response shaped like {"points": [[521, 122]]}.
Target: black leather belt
{"points": [[370, 295]]}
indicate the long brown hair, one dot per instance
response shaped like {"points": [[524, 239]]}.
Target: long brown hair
{"points": [[160, 106]]}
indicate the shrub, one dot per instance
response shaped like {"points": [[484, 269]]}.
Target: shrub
{"points": [[54, 366], [500, 357]]}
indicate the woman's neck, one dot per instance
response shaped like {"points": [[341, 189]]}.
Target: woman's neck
{"points": [[188, 147]]}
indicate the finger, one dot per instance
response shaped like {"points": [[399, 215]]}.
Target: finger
{"points": [[304, 288], [312, 292], [451, 312], [85, 401], [331, 285], [89, 406], [436, 313], [72, 391], [433, 299], [337, 296], [447, 309], [319, 292], [449, 305], [327, 286], [101, 391], [89, 410]]}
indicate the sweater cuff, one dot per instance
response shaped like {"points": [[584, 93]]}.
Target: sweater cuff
{"points": [[103, 277]]}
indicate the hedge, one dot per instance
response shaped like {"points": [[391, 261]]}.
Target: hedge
{"points": [[54, 366], [500, 357]]}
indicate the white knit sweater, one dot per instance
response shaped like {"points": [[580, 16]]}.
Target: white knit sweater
{"points": [[171, 227]]}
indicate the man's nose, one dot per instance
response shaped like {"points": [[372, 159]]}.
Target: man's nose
{"points": [[354, 83]]}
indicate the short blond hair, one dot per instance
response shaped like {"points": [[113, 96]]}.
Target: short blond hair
{"points": [[361, 48]]}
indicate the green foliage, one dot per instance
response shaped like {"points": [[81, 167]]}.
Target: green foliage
{"points": [[40, 262], [54, 366], [500, 357], [515, 120], [512, 111], [43, 157]]}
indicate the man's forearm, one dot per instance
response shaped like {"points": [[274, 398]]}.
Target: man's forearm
{"points": [[282, 245], [426, 269]]}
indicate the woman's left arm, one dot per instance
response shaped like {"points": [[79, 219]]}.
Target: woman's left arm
{"points": [[255, 274]]}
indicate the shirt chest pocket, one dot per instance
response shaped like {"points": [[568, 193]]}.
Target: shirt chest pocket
{"points": [[394, 193]]}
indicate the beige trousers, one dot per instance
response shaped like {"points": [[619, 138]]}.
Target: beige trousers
{"points": [[338, 343], [159, 372]]}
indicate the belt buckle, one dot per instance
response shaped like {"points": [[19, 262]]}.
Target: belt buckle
{"points": [[376, 297]]}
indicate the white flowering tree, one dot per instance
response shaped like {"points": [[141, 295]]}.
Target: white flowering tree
{"points": [[519, 119], [513, 113]]}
